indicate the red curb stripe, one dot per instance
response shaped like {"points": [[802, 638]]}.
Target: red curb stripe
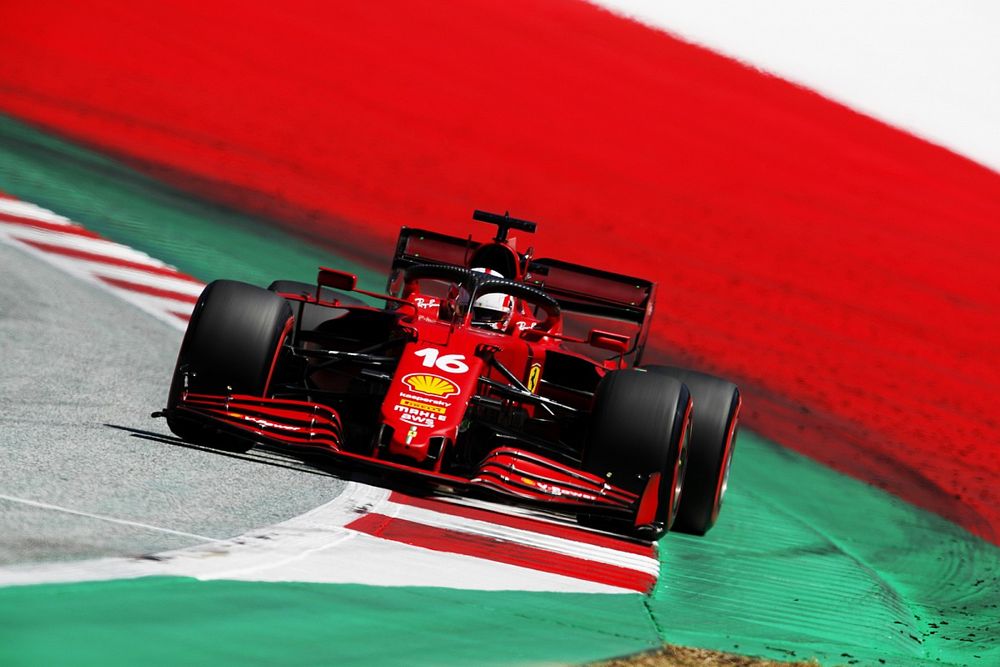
{"points": [[154, 269], [147, 289], [105, 259], [524, 523], [48, 226], [511, 553]]}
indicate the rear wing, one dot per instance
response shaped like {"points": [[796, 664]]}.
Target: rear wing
{"points": [[583, 289], [420, 246], [613, 301], [591, 293]]}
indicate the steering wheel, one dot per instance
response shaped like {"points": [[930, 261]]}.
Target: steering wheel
{"points": [[531, 294]]}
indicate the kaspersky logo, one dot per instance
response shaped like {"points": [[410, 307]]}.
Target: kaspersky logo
{"points": [[431, 385]]}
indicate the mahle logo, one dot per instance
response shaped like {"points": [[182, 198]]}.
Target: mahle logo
{"points": [[431, 385]]}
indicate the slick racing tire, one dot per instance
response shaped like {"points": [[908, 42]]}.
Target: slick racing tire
{"points": [[640, 426], [231, 347], [710, 453]]}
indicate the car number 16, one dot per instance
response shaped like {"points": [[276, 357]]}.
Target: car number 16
{"points": [[449, 363]]}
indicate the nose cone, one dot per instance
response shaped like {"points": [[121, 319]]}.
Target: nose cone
{"points": [[416, 418], [430, 392], [413, 443]]}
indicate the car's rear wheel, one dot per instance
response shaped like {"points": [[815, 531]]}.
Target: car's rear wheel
{"points": [[639, 427], [716, 415], [231, 346]]}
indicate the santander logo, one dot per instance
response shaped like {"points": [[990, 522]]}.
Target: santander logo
{"points": [[431, 385]]}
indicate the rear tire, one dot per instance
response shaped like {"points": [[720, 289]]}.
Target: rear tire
{"points": [[716, 413], [231, 347], [638, 428]]}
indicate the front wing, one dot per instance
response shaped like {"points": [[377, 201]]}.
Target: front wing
{"points": [[511, 472]]}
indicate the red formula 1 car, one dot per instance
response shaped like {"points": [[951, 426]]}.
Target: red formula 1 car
{"points": [[487, 370]]}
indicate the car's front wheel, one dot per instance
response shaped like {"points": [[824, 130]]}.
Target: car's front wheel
{"points": [[231, 346], [639, 427]]}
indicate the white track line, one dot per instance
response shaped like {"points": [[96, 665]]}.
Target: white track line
{"points": [[102, 517], [259, 549]]}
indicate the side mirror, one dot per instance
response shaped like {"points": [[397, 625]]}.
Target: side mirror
{"points": [[534, 335], [336, 279], [608, 340]]}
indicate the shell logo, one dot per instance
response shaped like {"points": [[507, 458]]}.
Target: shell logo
{"points": [[432, 385]]}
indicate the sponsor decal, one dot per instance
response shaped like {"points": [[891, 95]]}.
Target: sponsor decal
{"points": [[420, 405], [426, 303], [533, 376], [554, 490], [417, 417], [264, 423], [411, 434], [431, 385], [426, 399]]}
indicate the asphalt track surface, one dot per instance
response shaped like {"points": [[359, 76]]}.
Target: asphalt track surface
{"points": [[85, 472]]}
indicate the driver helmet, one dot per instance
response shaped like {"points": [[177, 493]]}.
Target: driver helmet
{"points": [[494, 310]]}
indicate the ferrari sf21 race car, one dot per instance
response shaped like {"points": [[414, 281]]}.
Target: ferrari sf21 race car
{"points": [[487, 370]]}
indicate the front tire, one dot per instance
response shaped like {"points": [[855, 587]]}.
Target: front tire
{"points": [[716, 414], [231, 346], [639, 427]]}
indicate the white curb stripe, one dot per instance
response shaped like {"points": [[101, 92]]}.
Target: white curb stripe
{"points": [[528, 538], [171, 311], [23, 209], [142, 278], [96, 246]]}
